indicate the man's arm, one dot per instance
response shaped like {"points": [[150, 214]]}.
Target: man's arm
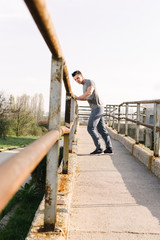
{"points": [[86, 94]]}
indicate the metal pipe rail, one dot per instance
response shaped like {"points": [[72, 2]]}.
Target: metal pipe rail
{"points": [[40, 14], [143, 101], [16, 169], [155, 127]]}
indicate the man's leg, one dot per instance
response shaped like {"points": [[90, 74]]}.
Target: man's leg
{"points": [[92, 126], [104, 133]]}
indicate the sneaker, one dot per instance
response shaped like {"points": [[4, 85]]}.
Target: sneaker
{"points": [[108, 151], [97, 152]]}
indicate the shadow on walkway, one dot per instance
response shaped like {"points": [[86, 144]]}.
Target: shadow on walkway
{"points": [[140, 182]]}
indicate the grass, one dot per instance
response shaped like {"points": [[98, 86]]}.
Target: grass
{"points": [[10, 205], [16, 142], [19, 223]]}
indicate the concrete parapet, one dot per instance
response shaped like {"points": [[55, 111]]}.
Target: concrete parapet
{"points": [[139, 151], [64, 194], [142, 154], [156, 167], [127, 142]]}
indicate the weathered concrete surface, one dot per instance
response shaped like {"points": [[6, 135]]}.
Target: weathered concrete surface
{"points": [[115, 197], [139, 151], [64, 194]]}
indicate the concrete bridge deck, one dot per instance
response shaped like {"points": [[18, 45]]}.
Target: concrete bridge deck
{"points": [[114, 198]]}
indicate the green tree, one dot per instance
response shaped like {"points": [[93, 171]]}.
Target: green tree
{"points": [[4, 112]]}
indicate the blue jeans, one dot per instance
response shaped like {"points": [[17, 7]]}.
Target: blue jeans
{"points": [[96, 125]]}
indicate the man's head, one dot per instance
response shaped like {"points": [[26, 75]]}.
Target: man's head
{"points": [[78, 77]]}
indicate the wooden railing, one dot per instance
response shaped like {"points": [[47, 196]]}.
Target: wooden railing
{"points": [[15, 170]]}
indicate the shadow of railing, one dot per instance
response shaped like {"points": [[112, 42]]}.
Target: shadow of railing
{"points": [[142, 184]]}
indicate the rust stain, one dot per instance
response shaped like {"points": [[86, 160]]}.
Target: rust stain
{"points": [[63, 182], [132, 148], [48, 198], [55, 113], [150, 162]]}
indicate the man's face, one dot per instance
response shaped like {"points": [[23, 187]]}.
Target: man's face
{"points": [[78, 78]]}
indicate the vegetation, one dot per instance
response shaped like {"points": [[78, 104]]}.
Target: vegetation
{"points": [[21, 116], [16, 142], [29, 198]]}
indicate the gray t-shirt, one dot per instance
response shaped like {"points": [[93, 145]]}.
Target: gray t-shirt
{"points": [[93, 100]]}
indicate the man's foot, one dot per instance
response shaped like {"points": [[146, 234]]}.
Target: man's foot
{"points": [[108, 151], [97, 152]]}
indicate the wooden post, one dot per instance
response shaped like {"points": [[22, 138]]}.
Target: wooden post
{"points": [[156, 133], [138, 126], [53, 154]]}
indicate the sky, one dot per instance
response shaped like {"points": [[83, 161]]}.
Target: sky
{"points": [[114, 43]]}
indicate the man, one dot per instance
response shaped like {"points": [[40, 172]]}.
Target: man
{"points": [[96, 120]]}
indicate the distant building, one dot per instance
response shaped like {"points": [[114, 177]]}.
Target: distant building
{"points": [[149, 112]]}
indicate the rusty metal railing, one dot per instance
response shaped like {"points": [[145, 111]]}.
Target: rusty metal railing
{"points": [[115, 113], [15, 170]]}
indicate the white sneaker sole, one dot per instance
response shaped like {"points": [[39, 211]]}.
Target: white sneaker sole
{"points": [[108, 154]]}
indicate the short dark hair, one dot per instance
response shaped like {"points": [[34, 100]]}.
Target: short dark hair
{"points": [[76, 72]]}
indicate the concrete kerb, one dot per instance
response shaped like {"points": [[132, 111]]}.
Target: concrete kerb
{"points": [[139, 151], [64, 195]]}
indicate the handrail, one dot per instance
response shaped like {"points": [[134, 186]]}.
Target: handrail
{"points": [[40, 14], [25, 162], [144, 101], [119, 115], [155, 127], [15, 170]]}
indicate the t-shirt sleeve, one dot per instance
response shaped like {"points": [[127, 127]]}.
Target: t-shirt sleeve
{"points": [[90, 83]]}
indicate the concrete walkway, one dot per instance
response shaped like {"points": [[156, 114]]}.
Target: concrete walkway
{"points": [[115, 197]]}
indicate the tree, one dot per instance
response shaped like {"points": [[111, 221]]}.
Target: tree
{"points": [[28, 111], [4, 112], [22, 114]]}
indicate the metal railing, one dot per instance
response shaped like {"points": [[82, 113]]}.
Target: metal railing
{"points": [[120, 113], [15, 170]]}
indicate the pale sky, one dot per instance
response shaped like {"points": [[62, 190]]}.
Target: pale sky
{"points": [[115, 43]]}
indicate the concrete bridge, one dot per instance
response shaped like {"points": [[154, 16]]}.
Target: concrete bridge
{"points": [[89, 197], [105, 197], [114, 197]]}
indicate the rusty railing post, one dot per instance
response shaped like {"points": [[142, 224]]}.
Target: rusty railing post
{"points": [[137, 125], [113, 119], [109, 116], [71, 134], [53, 154], [119, 120], [156, 133], [66, 136], [106, 114], [126, 121]]}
